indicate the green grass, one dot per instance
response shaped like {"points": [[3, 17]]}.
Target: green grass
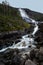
{"points": [[10, 19]]}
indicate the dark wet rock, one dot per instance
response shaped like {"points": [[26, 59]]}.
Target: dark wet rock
{"points": [[1, 63], [32, 54], [13, 57], [16, 41], [29, 62], [10, 34], [41, 27], [5, 44], [39, 58], [8, 38], [39, 36], [18, 57], [39, 40], [41, 50], [41, 63], [16, 60], [24, 57], [10, 56], [36, 55]]}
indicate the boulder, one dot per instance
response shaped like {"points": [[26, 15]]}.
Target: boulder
{"points": [[32, 54], [41, 50], [29, 62], [42, 63], [1, 63], [39, 56]]}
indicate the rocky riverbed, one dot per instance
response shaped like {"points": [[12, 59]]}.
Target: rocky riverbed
{"points": [[21, 57]]}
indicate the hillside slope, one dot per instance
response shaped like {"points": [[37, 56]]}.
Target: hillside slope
{"points": [[34, 15], [10, 19]]}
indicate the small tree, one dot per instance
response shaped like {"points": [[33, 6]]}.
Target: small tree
{"points": [[5, 2], [5, 7]]}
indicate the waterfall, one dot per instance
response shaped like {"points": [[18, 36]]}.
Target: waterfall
{"points": [[25, 41], [24, 15]]}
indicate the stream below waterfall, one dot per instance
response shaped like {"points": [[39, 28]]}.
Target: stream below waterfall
{"points": [[27, 40]]}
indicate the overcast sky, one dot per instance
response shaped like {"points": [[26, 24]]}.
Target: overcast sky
{"points": [[35, 5]]}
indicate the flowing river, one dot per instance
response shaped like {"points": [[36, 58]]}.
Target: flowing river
{"points": [[26, 40]]}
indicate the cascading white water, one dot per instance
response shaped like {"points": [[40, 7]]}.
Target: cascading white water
{"points": [[25, 41], [35, 29], [24, 14]]}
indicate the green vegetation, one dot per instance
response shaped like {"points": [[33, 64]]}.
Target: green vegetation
{"points": [[10, 19]]}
